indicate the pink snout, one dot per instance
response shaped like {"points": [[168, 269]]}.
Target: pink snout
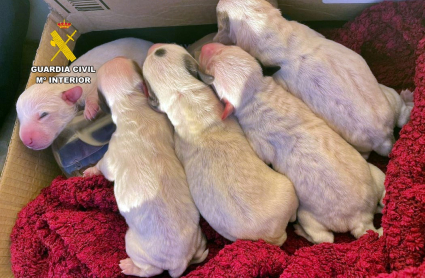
{"points": [[155, 46], [33, 139], [208, 51], [27, 140]]}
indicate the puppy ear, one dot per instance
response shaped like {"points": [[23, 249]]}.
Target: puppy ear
{"points": [[206, 78], [142, 85], [228, 109], [268, 70], [223, 33], [193, 68], [152, 99], [102, 102], [137, 68], [145, 89], [191, 65], [72, 95]]}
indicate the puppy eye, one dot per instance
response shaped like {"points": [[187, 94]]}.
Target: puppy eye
{"points": [[44, 114]]}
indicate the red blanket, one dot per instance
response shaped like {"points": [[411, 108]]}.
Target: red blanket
{"points": [[73, 228]]}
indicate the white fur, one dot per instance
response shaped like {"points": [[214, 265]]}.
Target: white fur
{"points": [[237, 193], [195, 48], [334, 81], [401, 104], [337, 189], [47, 97], [150, 183]]}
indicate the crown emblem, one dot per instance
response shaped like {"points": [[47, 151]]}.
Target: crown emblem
{"points": [[64, 25]]}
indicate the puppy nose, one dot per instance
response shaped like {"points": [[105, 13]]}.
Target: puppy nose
{"points": [[27, 141], [153, 47], [209, 49]]}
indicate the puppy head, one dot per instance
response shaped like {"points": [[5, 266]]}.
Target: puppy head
{"points": [[43, 111], [118, 79], [169, 71], [235, 73], [242, 22]]}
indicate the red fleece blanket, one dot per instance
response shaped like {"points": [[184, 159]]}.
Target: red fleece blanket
{"points": [[73, 228]]}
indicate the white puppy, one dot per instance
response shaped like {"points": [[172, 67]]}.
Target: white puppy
{"points": [[150, 183], [236, 192], [334, 81], [337, 189], [45, 109], [195, 48]]}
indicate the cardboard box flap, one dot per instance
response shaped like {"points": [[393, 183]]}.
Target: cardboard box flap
{"points": [[98, 15]]}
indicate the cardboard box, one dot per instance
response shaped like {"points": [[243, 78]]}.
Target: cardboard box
{"points": [[26, 172]]}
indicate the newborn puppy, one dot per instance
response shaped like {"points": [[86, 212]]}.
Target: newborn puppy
{"points": [[236, 192], [45, 109], [334, 81], [337, 189], [150, 183]]}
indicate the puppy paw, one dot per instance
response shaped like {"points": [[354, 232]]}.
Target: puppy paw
{"points": [[92, 171], [128, 267], [407, 96], [365, 155], [90, 110], [300, 231], [145, 270]]}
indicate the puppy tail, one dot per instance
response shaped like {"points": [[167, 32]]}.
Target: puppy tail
{"points": [[401, 104], [406, 108], [379, 180], [385, 148], [199, 258]]}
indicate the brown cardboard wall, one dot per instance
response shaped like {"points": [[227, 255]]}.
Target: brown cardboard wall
{"points": [[97, 15]]}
